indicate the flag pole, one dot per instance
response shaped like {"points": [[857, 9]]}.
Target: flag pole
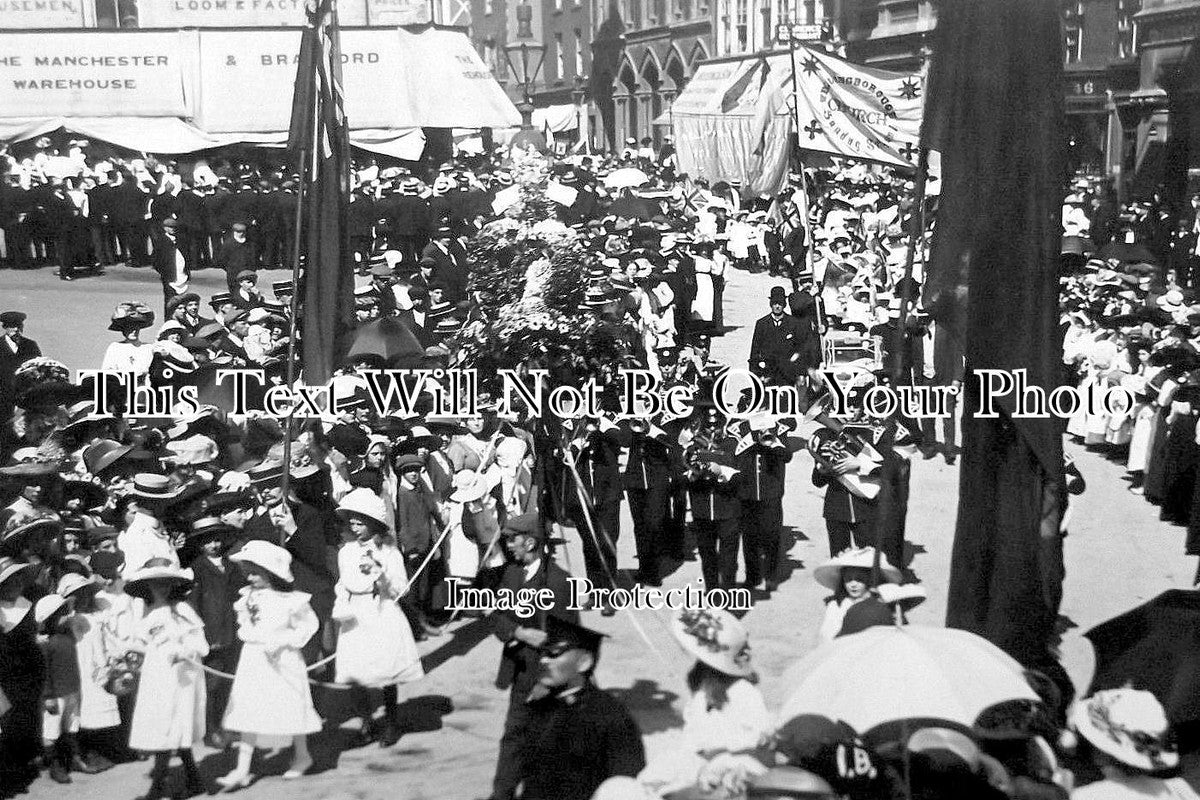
{"points": [[294, 305]]}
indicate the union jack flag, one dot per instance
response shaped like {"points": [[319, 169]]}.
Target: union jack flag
{"points": [[319, 138]]}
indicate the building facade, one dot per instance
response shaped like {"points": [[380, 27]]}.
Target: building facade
{"points": [[1129, 70], [561, 89], [645, 51]]}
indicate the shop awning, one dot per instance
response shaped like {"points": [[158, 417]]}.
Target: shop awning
{"points": [[173, 136], [556, 119], [450, 85], [186, 90]]}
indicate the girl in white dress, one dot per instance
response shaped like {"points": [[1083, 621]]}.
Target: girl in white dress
{"points": [[725, 713], [168, 712], [270, 704], [375, 648]]}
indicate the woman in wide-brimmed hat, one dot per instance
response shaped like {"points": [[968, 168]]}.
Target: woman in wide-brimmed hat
{"points": [[22, 675], [168, 712], [1131, 742], [270, 704], [850, 576], [130, 354], [375, 646], [726, 712]]}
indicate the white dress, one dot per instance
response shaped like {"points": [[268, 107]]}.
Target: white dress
{"points": [[835, 617], [132, 357], [271, 700], [375, 643], [95, 642], [168, 713], [737, 726]]}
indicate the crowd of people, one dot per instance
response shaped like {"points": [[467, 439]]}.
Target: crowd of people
{"points": [[197, 577]]}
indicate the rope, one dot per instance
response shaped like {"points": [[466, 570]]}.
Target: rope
{"points": [[586, 502], [313, 681]]}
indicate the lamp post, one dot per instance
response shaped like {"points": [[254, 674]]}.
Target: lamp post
{"points": [[579, 96], [524, 62]]}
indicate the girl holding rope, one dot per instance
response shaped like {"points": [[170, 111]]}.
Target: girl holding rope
{"points": [[168, 714], [270, 705], [375, 648]]}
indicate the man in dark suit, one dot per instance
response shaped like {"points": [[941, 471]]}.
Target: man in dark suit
{"points": [[578, 735], [170, 262], [15, 350], [530, 567], [236, 255], [713, 496], [450, 264], [775, 349]]}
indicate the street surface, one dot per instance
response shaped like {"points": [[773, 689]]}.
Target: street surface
{"points": [[1118, 555]]}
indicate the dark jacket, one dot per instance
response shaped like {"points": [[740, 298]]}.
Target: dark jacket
{"points": [[212, 596], [573, 744], [9, 361], [62, 666], [775, 351], [762, 471], [519, 662], [841, 504], [416, 515]]}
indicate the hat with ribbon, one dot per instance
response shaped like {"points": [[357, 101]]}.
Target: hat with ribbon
{"points": [[363, 504], [270, 557], [717, 638]]}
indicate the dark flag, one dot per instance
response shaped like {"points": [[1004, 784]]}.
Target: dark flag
{"points": [[995, 113], [318, 136]]}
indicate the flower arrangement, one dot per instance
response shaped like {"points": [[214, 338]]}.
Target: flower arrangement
{"points": [[529, 279]]}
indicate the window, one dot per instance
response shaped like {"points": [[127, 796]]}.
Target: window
{"points": [[558, 5], [907, 11], [1072, 14], [1126, 29], [580, 69], [741, 25], [488, 6], [558, 57]]}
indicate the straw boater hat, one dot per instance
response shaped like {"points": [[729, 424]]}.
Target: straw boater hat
{"points": [[829, 574], [1129, 725], [270, 557], [717, 638], [156, 570], [196, 449], [148, 486], [364, 504]]}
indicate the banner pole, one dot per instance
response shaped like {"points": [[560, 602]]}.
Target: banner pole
{"points": [[294, 305]]}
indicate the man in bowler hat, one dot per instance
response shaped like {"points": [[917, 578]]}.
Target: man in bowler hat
{"points": [[775, 350]]}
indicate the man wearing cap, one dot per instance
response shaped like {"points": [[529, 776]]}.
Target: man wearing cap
{"points": [[530, 567], [775, 350], [578, 736], [15, 350], [236, 255], [381, 282], [247, 295]]}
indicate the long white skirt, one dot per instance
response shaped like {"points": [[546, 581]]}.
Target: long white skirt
{"points": [[271, 700], [375, 642]]}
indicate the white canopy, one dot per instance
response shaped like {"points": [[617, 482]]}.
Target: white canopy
{"points": [[187, 90]]}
